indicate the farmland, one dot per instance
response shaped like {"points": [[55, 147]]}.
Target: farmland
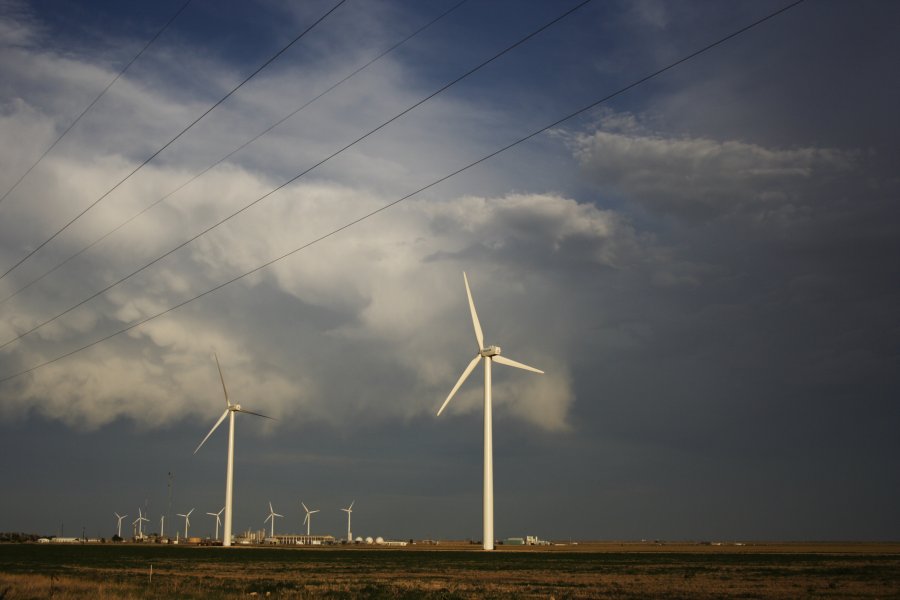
{"points": [[620, 571]]}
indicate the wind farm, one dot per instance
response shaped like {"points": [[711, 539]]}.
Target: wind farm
{"points": [[676, 226]]}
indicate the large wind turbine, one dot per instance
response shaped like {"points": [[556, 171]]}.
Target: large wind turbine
{"points": [[349, 511], [187, 521], [120, 517], [272, 515], [230, 409], [308, 519], [139, 521], [218, 520], [488, 354]]}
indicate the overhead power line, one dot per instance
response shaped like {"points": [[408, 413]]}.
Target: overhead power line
{"points": [[94, 101], [232, 153], [170, 142], [385, 207], [299, 175]]}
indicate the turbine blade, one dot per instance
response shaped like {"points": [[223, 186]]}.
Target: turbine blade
{"points": [[267, 518], [270, 507], [306, 518], [224, 389], [462, 378], [189, 512], [511, 363], [351, 505], [304, 507], [313, 511], [277, 515], [219, 422], [250, 412], [479, 335]]}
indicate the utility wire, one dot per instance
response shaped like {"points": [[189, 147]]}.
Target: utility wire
{"points": [[298, 176], [170, 142], [95, 100], [232, 153], [385, 207]]}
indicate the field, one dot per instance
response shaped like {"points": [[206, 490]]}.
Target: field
{"points": [[620, 571]]}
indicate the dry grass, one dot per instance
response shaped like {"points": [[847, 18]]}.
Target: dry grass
{"points": [[569, 572]]}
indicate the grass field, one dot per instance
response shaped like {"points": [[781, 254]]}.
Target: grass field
{"points": [[620, 571]]}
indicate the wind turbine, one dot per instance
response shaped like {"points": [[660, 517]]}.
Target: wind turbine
{"points": [[218, 520], [230, 409], [187, 521], [488, 354], [272, 515], [139, 522], [308, 519], [349, 511], [162, 526], [120, 517]]}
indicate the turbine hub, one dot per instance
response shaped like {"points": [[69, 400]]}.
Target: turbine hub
{"points": [[490, 351], [235, 407]]}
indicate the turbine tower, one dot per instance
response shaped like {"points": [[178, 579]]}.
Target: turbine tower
{"points": [[489, 354], [139, 521], [162, 526], [119, 517], [230, 410], [349, 511], [187, 521], [308, 519], [218, 520], [272, 515]]}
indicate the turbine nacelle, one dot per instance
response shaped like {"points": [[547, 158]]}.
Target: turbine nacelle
{"points": [[490, 351]]}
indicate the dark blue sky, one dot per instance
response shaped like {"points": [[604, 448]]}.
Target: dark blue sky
{"points": [[705, 267]]}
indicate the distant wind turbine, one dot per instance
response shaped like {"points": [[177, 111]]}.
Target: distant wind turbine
{"points": [[187, 521], [488, 354], [349, 511], [230, 409], [119, 526], [139, 521], [218, 520], [272, 515], [308, 519]]}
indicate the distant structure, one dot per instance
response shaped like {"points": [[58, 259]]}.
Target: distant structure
{"points": [[488, 354], [230, 410], [272, 515], [187, 521], [308, 519], [217, 515], [349, 511], [119, 526], [139, 522]]}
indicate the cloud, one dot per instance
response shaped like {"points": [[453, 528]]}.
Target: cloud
{"points": [[701, 179]]}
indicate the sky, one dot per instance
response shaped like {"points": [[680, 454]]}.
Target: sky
{"points": [[705, 267]]}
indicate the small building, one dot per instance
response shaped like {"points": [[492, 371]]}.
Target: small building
{"points": [[514, 541]]}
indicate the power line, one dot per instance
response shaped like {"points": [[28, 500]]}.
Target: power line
{"points": [[233, 152], [385, 207], [94, 101], [298, 176], [170, 142]]}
